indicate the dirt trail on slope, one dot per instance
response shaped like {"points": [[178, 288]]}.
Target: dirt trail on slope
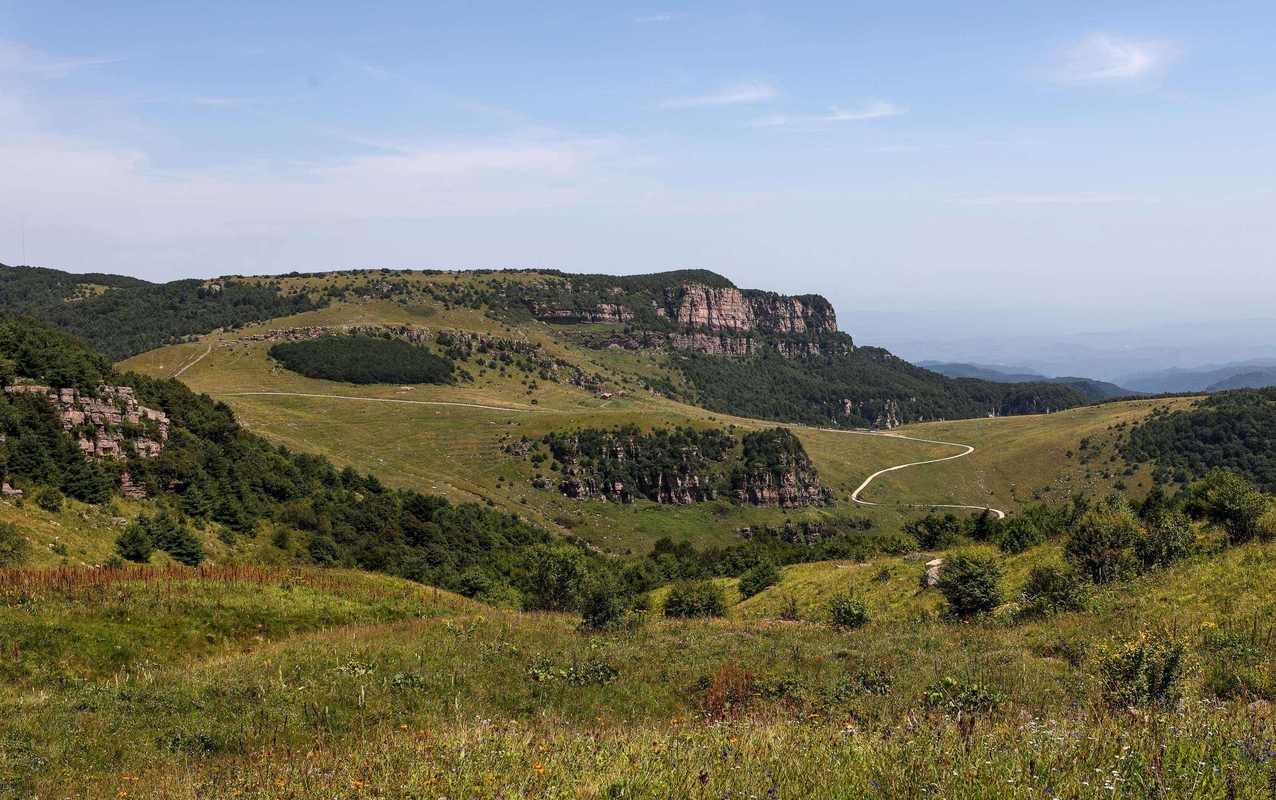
{"points": [[965, 451]]}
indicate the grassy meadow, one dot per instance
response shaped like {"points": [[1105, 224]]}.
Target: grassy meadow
{"points": [[284, 683]]}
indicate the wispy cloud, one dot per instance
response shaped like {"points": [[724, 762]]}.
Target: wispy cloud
{"points": [[1103, 58], [1030, 199], [16, 59], [650, 19], [221, 102], [739, 94], [871, 111]]}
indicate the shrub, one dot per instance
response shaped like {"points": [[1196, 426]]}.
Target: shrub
{"points": [[1146, 670], [695, 599], [1019, 533], [1168, 538], [934, 532], [556, 578], [14, 547], [134, 543], [49, 499], [759, 577], [1102, 546], [1232, 502], [847, 611], [323, 549], [1050, 589], [171, 535], [971, 585], [601, 607]]}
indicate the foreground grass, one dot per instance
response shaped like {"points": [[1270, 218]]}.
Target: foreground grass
{"points": [[459, 700]]}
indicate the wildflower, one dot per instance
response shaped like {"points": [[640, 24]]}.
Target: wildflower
{"points": [[538, 768]]}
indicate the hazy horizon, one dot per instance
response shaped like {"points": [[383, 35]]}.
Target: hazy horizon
{"points": [[967, 182]]}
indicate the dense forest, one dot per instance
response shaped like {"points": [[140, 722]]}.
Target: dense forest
{"points": [[121, 316], [1234, 430], [363, 359], [863, 387]]}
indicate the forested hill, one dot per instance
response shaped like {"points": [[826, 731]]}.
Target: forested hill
{"points": [[214, 474], [122, 316], [1233, 430]]}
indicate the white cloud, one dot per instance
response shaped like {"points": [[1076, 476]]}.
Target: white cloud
{"points": [[871, 111], [648, 19], [1103, 58], [740, 94]]}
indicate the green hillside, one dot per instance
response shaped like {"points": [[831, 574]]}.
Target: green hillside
{"points": [[279, 684], [309, 653]]}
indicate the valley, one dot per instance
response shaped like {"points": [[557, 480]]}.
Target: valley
{"points": [[545, 565]]}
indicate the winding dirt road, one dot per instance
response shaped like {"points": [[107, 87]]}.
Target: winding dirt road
{"points": [[965, 451], [193, 362]]}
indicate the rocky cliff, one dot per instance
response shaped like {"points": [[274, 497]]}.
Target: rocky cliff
{"points": [[108, 425], [776, 471], [730, 310], [686, 310], [679, 466]]}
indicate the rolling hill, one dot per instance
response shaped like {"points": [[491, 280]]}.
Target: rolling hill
{"points": [[561, 468]]}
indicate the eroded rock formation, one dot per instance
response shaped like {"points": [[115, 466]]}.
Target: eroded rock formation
{"points": [[108, 422]]}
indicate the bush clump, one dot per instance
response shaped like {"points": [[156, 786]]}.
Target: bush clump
{"points": [[1168, 538], [1146, 670], [1019, 533], [695, 599], [1050, 590], [49, 499], [847, 611], [14, 547], [161, 532], [758, 577], [1101, 546], [971, 585], [601, 607], [134, 544], [363, 359], [935, 532]]}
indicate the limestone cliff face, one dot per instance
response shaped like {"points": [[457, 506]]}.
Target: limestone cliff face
{"points": [[108, 425], [100, 423], [792, 485], [731, 310], [777, 472]]}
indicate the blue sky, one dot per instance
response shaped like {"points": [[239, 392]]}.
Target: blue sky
{"points": [[1065, 164]]}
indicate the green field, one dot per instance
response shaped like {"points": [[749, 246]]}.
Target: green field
{"points": [[255, 683]]}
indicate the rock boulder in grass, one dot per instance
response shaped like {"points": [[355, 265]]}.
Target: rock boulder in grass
{"points": [[930, 578]]}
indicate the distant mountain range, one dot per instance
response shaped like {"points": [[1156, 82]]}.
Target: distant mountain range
{"points": [[1092, 389], [1252, 374]]}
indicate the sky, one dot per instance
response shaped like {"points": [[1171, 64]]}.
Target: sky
{"points": [[943, 172]]}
